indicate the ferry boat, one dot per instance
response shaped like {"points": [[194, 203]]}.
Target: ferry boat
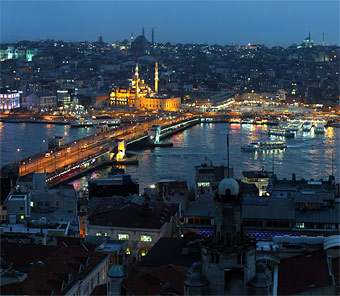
{"points": [[307, 126], [281, 132], [319, 129], [264, 145], [294, 126]]}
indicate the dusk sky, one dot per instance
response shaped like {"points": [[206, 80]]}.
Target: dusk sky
{"points": [[222, 22]]}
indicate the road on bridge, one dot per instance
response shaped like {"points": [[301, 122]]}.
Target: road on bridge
{"points": [[83, 149]]}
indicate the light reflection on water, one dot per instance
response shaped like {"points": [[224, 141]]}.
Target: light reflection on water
{"points": [[28, 137], [308, 156]]}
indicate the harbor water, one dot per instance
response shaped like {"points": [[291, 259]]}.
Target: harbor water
{"points": [[308, 155]]}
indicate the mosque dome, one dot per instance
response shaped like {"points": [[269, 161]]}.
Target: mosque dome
{"points": [[140, 45], [116, 271], [228, 184]]}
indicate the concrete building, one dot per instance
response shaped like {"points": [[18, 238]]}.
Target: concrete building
{"points": [[142, 224], [259, 178], [206, 174], [46, 270], [9, 99], [170, 191]]}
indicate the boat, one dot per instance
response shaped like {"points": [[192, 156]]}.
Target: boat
{"points": [[319, 129], [264, 145], [294, 126], [307, 126], [281, 132]]}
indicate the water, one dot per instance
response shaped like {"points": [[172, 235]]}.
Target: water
{"points": [[308, 155], [29, 137]]}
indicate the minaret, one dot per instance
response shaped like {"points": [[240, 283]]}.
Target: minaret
{"points": [[156, 77], [323, 39], [137, 88]]}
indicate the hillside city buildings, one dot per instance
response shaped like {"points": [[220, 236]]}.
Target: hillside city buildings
{"points": [[257, 235], [101, 74]]}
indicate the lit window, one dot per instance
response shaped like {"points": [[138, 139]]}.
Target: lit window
{"points": [[31, 204], [128, 252], [145, 238], [300, 225], [144, 251], [22, 217], [123, 236], [101, 234]]}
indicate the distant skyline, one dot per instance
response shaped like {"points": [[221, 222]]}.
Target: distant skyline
{"points": [[219, 22]]}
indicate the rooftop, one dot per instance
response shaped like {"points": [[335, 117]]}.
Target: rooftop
{"points": [[121, 212]]}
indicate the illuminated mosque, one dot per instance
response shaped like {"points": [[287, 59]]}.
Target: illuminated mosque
{"points": [[141, 97]]}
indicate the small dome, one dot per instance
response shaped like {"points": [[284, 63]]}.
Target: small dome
{"points": [[228, 184], [116, 271]]}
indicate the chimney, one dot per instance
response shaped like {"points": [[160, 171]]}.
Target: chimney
{"points": [[293, 179], [145, 208]]}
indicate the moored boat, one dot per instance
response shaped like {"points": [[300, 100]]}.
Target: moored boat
{"points": [[319, 128], [264, 145], [281, 132], [307, 126]]}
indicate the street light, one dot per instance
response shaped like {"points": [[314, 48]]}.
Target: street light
{"points": [[39, 160], [15, 155]]}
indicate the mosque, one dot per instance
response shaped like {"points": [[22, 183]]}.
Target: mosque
{"points": [[140, 96]]}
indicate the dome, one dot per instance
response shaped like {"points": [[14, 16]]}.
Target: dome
{"points": [[140, 45], [228, 184], [116, 271]]}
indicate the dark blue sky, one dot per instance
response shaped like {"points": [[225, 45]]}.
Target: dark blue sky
{"points": [[269, 22]]}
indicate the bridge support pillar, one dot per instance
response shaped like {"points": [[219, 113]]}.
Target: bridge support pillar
{"points": [[121, 150], [154, 133]]}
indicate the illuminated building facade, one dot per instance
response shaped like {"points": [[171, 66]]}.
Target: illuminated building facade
{"points": [[9, 100], [141, 97], [15, 53], [63, 98], [281, 94], [307, 42]]}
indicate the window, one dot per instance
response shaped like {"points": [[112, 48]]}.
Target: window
{"points": [[47, 204], [144, 251], [39, 203], [123, 236], [300, 225], [31, 204], [145, 238], [128, 252], [101, 234], [22, 217], [21, 208]]}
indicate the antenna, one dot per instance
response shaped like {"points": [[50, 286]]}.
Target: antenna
{"points": [[228, 154], [153, 35], [143, 32]]}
